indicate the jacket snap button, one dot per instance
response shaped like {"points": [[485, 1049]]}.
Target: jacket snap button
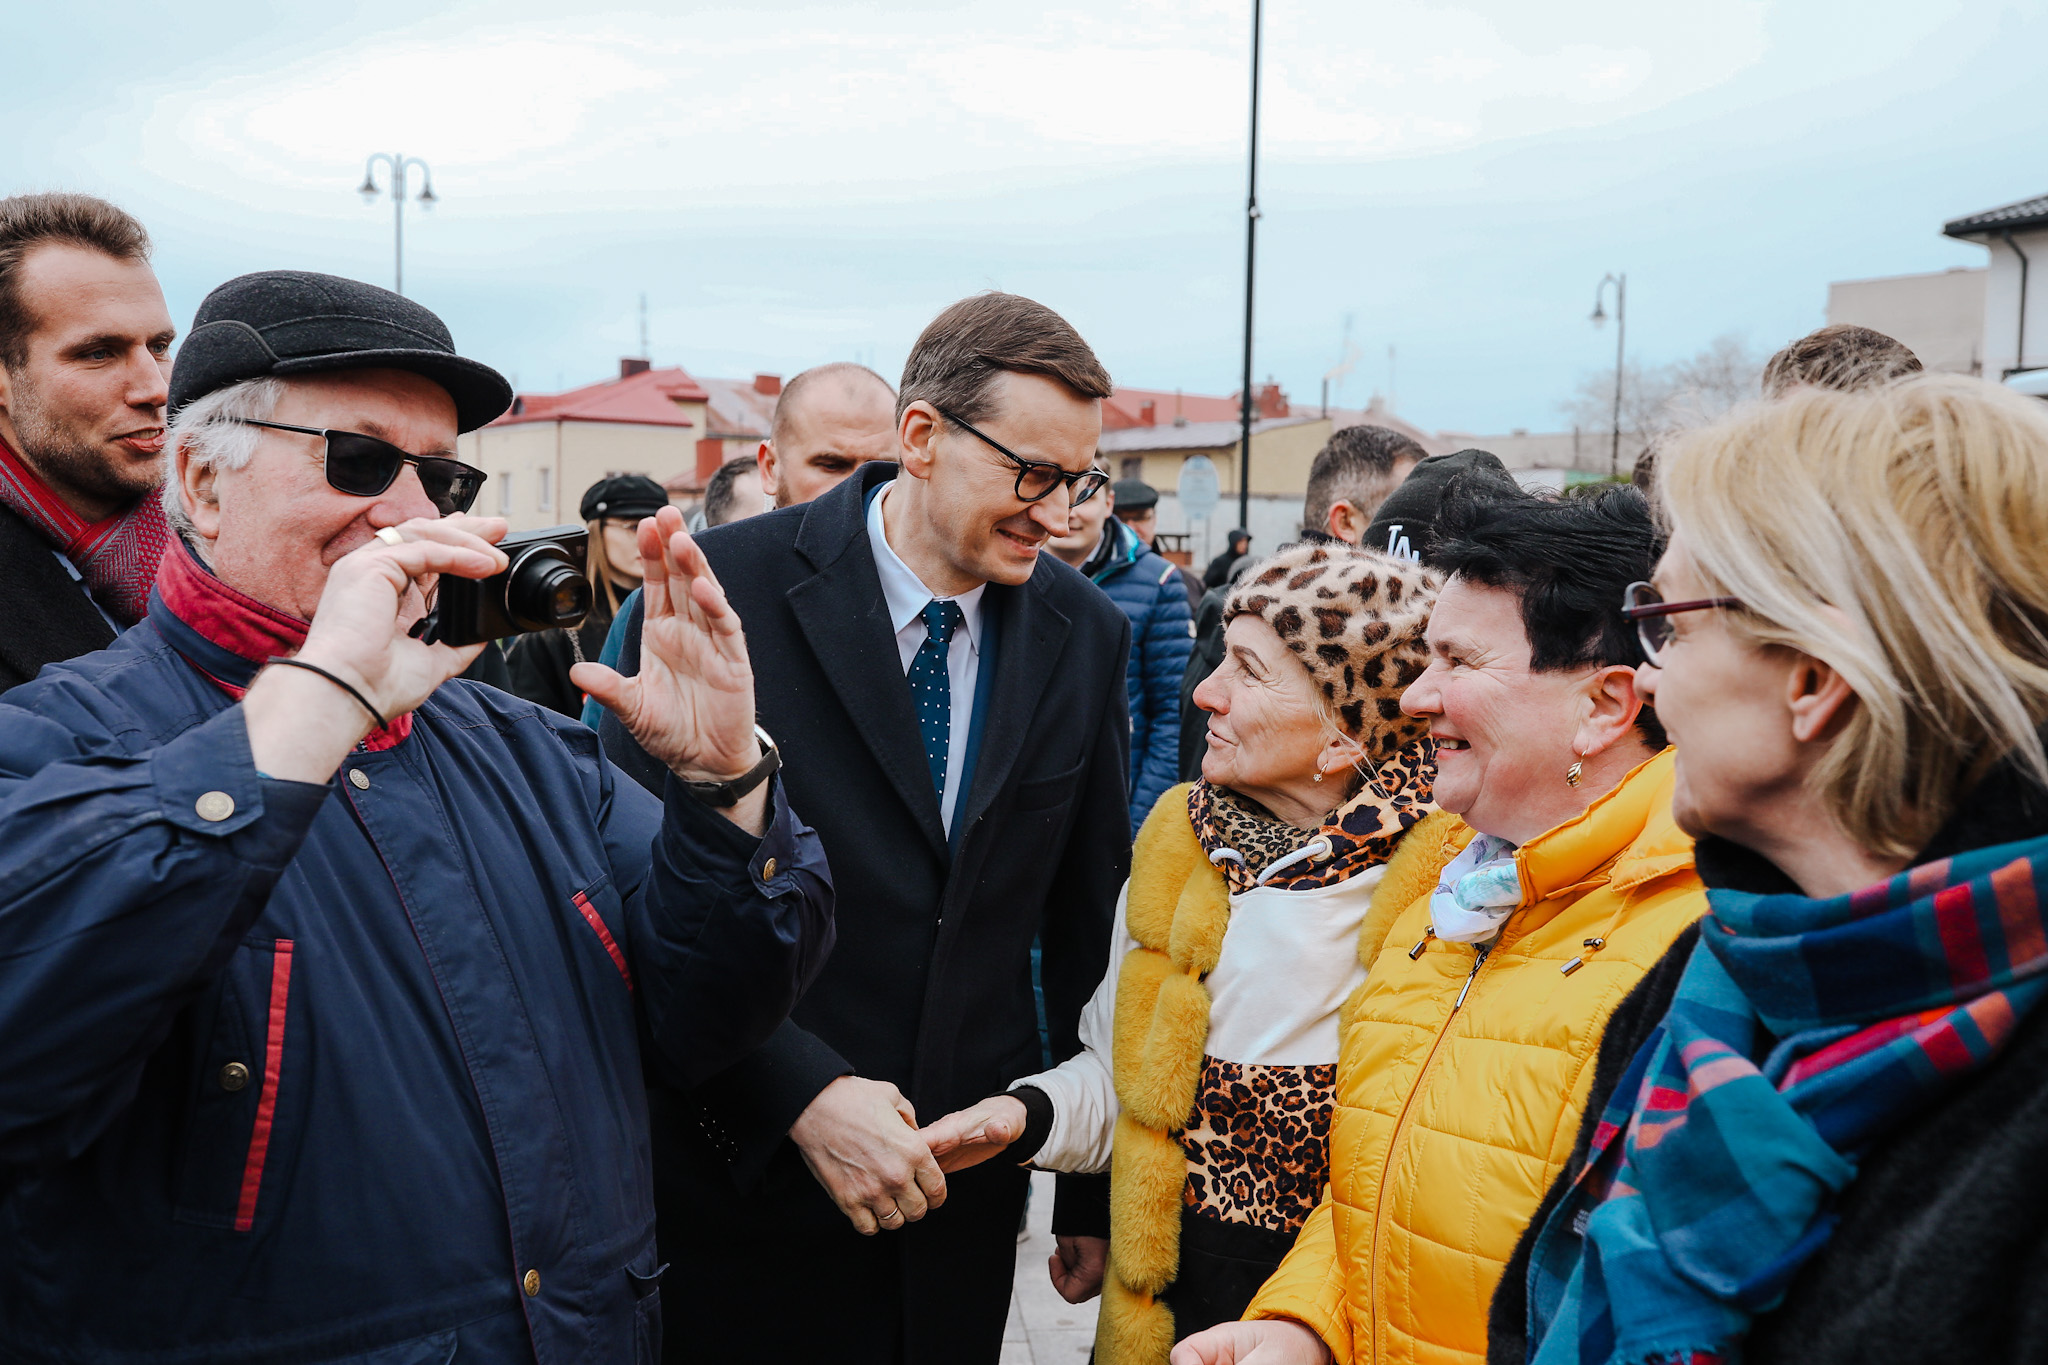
{"points": [[531, 1283], [214, 806], [359, 779], [234, 1076], [768, 870]]}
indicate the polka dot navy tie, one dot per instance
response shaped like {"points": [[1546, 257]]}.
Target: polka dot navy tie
{"points": [[931, 686]]}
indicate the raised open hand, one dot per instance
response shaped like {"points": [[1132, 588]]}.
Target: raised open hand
{"points": [[692, 704]]}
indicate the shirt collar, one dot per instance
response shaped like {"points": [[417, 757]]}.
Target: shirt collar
{"points": [[903, 592]]}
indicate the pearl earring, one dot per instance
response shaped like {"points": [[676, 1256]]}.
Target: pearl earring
{"points": [[1319, 775]]}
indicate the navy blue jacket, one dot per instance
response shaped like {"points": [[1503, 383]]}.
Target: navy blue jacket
{"points": [[1145, 585], [353, 1071]]}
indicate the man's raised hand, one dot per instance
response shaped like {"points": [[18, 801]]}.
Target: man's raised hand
{"points": [[692, 704], [301, 726]]}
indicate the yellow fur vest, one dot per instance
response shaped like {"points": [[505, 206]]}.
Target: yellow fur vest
{"points": [[1176, 910]]}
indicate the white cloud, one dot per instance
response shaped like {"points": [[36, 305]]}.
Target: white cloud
{"points": [[734, 102]]}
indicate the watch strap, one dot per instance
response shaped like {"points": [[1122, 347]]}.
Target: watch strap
{"points": [[724, 794]]}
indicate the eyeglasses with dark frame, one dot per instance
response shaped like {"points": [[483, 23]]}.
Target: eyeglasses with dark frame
{"points": [[1038, 474], [363, 466], [1652, 615]]}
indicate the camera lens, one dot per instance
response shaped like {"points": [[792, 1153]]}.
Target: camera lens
{"points": [[545, 590]]}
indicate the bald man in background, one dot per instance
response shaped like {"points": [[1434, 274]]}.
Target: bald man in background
{"points": [[831, 420]]}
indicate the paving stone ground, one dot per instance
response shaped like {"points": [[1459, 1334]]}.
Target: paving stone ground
{"points": [[1044, 1328]]}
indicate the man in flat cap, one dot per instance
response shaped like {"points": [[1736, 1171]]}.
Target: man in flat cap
{"points": [[328, 982]]}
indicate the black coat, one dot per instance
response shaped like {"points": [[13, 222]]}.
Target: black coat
{"points": [[930, 986], [47, 617], [1940, 1251]]}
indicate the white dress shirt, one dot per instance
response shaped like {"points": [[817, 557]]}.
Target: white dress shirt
{"points": [[906, 596]]}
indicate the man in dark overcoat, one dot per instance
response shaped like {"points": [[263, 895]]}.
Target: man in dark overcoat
{"points": [[952, 704]]}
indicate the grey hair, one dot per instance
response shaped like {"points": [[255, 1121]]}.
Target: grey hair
{"points": [[210, 430]]}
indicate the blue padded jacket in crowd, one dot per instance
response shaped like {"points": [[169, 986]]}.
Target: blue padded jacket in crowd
{"points": [[1145, 586], [353, 1072]]}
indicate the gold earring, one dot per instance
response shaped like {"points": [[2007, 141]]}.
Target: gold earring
{"points": [[1573, 773]]}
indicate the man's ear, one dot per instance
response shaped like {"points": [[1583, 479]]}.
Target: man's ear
{"points": [[1345, 522], [1612, 707], [764, 461], [1819, 698], [914, 433], [196, 491]]}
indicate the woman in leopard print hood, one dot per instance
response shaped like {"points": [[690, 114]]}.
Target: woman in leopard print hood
{"points": [[1209, 1052]]}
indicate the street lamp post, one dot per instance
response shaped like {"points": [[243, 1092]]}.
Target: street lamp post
{"points": [[1620, 283], [1251, 229], [398, 164]]}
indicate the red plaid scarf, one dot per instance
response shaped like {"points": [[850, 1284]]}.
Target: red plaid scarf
{"points": [[117, 557]]}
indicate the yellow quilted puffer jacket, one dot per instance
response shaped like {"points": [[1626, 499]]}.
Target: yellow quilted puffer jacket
{"points": [[1464, 1072]]}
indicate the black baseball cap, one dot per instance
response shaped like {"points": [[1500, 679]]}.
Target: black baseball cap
{"points": [[1405, 524], [287, 322]]}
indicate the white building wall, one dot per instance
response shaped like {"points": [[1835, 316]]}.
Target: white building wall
{"points": [[2002, 304]]}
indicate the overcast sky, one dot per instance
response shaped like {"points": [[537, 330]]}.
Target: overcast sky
{"points": [[790, 184]]}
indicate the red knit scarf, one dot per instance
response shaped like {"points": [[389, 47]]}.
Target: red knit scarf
{"points": [[117, 557], [248, 632]]}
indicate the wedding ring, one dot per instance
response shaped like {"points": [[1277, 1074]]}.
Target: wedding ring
{"points": [[391, 535]]}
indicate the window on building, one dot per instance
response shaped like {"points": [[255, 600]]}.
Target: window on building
{"points": [[547, 490], [504, 493], [1133, 467]]}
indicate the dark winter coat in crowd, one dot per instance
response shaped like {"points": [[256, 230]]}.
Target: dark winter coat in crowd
{"points": [[351, 1071], [1147, 588], [1939, 1250], [1222, 568], [930, 986], [539, 663], [48, 616]]}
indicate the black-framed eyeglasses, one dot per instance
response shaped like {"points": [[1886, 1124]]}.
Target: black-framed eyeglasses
{"points": [[1036, 478], [363, 466], [1652, 615]]}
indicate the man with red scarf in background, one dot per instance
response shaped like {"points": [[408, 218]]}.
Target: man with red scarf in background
{"points": [[85, 343]]}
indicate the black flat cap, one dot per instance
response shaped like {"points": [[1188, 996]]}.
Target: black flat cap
{"points": [[287, 322], [623, 495], [1134, 495]]}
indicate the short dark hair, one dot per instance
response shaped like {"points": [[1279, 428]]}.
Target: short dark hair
{"points": [[722, 494], [1569, 560], [959, 355], [1843, 356], [1356, 465], [28, 221], [845, 370]]}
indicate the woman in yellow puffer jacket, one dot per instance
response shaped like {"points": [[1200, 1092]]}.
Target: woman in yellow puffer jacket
{"points": [[1496, 947]]}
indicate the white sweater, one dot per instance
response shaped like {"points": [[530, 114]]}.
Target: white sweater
{"points": [[1289, 960]]}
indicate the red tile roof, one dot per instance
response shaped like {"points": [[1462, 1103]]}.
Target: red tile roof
{"points": [[1125, 408], [649, 398]]}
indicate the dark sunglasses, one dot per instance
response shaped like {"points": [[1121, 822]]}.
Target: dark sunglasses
{"points": [[1036, 478], [363, 466], [1652, 615]]}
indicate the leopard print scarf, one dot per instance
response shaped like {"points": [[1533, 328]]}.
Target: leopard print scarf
{"points": [[1363, 832]]}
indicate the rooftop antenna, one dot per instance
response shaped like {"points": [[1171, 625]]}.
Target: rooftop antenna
{"points": [[645, 354], [1343, 367]]}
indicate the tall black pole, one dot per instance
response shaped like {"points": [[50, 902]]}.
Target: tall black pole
{"points": [[1251, 230]]}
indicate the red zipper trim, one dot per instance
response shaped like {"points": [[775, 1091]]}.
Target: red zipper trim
{"points": [[273, 1064], [596, 921]]}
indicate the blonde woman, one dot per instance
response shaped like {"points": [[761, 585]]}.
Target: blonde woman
{"points": [[1834, 1147], [540, 663]]}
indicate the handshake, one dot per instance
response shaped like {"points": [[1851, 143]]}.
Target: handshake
{"points": [[861, 1141]]}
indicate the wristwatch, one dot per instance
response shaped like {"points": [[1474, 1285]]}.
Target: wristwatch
{"points": [[724, 794]]}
